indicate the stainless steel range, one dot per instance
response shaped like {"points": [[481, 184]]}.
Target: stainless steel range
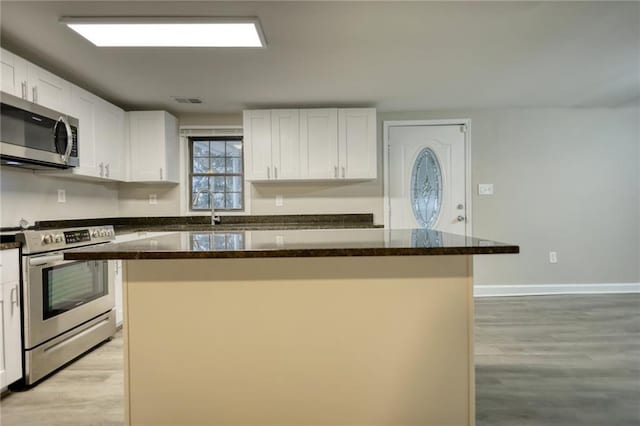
{"points": [[68, 306]]}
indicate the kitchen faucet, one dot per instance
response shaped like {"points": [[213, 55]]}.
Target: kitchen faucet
{"points": [[214, 218]]}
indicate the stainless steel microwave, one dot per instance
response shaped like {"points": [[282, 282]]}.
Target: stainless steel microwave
{"points": [[36, 137]]}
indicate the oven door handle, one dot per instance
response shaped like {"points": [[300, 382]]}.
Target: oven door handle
{"points": [[58, 259]]}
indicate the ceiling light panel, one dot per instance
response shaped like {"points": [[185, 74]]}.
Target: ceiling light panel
{"points": [[127, 32]]}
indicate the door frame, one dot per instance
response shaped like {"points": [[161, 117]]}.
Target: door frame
{"points": [[387, 125]]}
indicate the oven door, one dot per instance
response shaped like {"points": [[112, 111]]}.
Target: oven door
{"points": [[60, 295]]}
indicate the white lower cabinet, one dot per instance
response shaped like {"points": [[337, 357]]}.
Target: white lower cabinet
{"points": [[10, 337]]}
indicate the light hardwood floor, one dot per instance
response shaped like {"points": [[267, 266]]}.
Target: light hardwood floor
{"points": [[540, 361]]}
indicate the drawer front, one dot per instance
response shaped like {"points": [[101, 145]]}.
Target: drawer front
{"points": [[9, 266]]}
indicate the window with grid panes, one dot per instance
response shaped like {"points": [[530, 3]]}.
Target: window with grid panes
{"points": [[216, 166]]}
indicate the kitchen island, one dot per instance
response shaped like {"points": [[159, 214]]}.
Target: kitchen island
{"points": [[313, 327]]}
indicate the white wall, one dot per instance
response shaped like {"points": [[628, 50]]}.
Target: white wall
{"points": [[298, 198], [24, 194], [565, 180]]}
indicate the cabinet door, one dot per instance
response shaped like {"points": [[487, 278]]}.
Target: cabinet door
{"points": [[319, 143], [3, 366], [147, 146], [111, 141], [171, 152], [12, 340], [48, 90], [84, 107], [357, 143], [14, 74], [115, 271], [285, 144], [257, 141], [11, 350]]}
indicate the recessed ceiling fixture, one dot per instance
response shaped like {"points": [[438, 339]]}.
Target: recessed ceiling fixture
{"points": [[168, 32]]}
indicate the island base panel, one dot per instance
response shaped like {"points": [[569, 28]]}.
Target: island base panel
{"points": [[310, 341]]}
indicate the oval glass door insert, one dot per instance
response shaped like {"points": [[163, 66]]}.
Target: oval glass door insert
{"points": [[426, 188]]}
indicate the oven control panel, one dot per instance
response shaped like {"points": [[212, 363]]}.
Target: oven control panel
{"points": [[79, 236], [56, 239]]}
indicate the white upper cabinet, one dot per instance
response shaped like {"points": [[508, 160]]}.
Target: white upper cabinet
{"points": [[310, 144], [47, 89], [14, 74], [357, 145], [111, 141], [258, 142], [319, 143], [84, 107], [34, 84], [272, 141], [153, 139], [285, 145], [102, 139]]}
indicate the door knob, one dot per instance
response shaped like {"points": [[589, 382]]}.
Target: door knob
{"points": [[460, 218]]}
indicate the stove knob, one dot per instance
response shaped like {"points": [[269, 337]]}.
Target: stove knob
{"points": [[47, 239], [103, 233], [59, 238], [94, 233]]}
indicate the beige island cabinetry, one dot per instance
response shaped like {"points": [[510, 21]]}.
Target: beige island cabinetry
{"points": [[299, 327]]}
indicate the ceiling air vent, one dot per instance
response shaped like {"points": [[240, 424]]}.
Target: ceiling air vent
{"points": [[184, 100]]}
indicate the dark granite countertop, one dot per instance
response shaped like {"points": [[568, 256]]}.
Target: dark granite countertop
{"points": [[126, 225], [294, 243], [11, 245]]}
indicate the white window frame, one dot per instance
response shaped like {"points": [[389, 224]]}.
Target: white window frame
{"points": [[203, 131]]}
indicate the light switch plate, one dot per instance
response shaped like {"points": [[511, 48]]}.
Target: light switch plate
{"points": [[279, 201], [62, 196], [153, 199], [485, 189]]}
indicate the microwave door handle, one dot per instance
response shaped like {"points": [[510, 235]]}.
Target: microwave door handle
{"points": [[67, 152]]}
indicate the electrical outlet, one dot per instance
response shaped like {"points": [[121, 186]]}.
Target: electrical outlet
{"points": [[279, 240], [553, 257], [279, 201], [485, 189], [153, 199], [62, 196]]}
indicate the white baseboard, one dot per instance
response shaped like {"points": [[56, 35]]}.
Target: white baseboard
{"points": [[549, 289]]}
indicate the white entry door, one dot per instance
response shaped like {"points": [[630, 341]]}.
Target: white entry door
{"points": [[426, 177]]}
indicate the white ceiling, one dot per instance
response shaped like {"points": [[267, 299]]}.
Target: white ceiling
{"points": [[397, 56]]}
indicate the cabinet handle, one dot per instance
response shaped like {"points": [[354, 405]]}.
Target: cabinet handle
{"points": [[106, 168], [24, 89], [161, 174], [13, 297], [34, 93], [335, 171], [343, 173], [101, 169], [275, 170], [268, 172]]}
